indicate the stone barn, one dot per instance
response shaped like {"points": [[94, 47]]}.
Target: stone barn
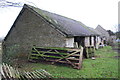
{"points": [[103, 34], [38, 27], [112, 37], [96, 38]]}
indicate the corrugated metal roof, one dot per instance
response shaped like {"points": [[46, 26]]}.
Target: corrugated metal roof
{"points": [[66, 25]]}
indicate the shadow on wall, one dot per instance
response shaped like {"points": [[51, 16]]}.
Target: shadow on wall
{"points": [[11, 54]]}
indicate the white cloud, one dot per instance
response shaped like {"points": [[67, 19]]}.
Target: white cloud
{"points": [[90, 12], [7, 17]]}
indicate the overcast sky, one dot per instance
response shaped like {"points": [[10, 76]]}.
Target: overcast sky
{"points": [[89, 12]]}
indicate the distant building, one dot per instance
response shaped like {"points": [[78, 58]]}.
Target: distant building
{"points": [[112, 37], [103, 34], [97, 38]]}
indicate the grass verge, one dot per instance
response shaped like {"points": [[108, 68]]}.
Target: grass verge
{"points": [[105, 66]]}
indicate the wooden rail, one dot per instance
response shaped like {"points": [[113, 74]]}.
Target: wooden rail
{"points": [[68, 56], [10, 73], [90, 51]]}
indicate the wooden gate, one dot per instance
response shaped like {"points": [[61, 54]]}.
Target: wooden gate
{"points": [[90, 51], [68, 56], [9, 73]]}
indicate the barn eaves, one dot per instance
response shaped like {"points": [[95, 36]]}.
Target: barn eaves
{"points": [[66, 25]]}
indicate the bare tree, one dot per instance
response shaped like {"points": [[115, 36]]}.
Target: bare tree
{"points": [[1, 39], [14, 3], [118, 27], [5, 3]]}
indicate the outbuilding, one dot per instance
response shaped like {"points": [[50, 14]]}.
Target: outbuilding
{"points": [[34, 26]]}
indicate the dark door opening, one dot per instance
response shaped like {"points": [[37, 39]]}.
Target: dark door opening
{"points": [[90, 41], [104, 41], [95, 41], [79, 40]]}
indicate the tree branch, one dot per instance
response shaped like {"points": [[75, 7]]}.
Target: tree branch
{"points": [[5, 3]]}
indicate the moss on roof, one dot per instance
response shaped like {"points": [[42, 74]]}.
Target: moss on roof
{"points": [[64, 24]]}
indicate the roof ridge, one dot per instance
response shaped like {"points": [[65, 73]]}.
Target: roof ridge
{"points": [[63, 23], [57, 14]]}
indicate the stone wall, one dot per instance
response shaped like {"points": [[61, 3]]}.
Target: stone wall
{"points": [[31, 29], [69, 42], [92, 41], [87, 41]]}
